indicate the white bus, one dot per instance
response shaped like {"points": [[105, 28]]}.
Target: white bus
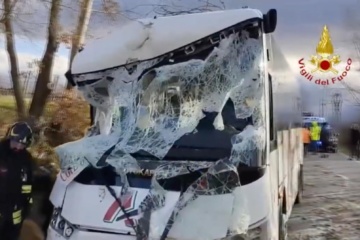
{"points": [[196, 133]]}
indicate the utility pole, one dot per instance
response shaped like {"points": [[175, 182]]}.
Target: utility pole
{"points": [[299, 105], [322, 103], [337, 107], [323, 107]]}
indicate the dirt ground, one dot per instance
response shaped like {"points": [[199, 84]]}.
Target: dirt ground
{"points": [[331, 205], [31, 231]]}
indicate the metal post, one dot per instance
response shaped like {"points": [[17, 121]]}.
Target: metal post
{"points": [[337, 105]]}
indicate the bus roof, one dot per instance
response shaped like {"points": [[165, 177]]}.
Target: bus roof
{"points": [[314, 119], [150, 38]]}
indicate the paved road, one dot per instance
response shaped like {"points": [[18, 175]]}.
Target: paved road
{"points": [[330, 209]]}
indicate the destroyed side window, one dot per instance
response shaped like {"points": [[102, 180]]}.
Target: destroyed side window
{"points": [[272, 129], [92, 115]]}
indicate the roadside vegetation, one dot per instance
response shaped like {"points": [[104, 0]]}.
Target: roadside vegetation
{"points": [[65, 118]]}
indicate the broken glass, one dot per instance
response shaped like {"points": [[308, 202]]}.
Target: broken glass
{"points": [[151, 109]]}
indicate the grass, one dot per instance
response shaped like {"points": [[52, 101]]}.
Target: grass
{"points": [[8, 109], [7, 112], [8, 102]]}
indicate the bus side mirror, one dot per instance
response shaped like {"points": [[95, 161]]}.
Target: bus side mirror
{"points": [[270, 21], [69, 77]]}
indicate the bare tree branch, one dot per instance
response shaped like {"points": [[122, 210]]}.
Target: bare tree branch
{"points": [[13, 61], [111, 9], [78, 36], [174, 9], [8, 11], [351, 22]]}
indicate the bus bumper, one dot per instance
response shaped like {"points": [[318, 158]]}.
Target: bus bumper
{"points": [[86, 235]]}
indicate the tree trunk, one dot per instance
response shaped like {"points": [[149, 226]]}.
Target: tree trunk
{"points": [[79, 35], [42, 90], [13, 62]]}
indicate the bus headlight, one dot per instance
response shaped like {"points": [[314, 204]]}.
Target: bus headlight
{"points": [[53, 223], [56, 213], [60, 225], [68, 232]]}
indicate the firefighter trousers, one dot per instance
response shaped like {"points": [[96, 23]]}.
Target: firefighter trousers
{"points": [[10, 226]]}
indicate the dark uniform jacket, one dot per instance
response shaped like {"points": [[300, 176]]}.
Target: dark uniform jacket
{"points": [[354, 136], [325, 136], [15, 180]]}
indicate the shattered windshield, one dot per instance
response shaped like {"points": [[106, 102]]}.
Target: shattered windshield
{"points": [[152, 108], [175, 108]]}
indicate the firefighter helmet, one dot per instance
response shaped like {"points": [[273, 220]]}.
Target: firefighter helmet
{"points": [[20, 132]]}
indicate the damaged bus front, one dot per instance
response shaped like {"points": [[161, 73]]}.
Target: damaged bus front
{"points": [[178, 146]]}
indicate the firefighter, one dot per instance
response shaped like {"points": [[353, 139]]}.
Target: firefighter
{"points": [[15, 180], [315, 132], [354, 141], [306, 139], [325, 139]]}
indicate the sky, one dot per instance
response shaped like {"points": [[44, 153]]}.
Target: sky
{"points": [[298, 31]]}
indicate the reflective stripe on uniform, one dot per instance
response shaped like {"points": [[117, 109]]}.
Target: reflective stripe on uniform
{"points": [[26, 189], [16, 217]]}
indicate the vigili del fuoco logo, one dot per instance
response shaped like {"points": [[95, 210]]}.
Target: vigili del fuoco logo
{"points": [[323, 67]]}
